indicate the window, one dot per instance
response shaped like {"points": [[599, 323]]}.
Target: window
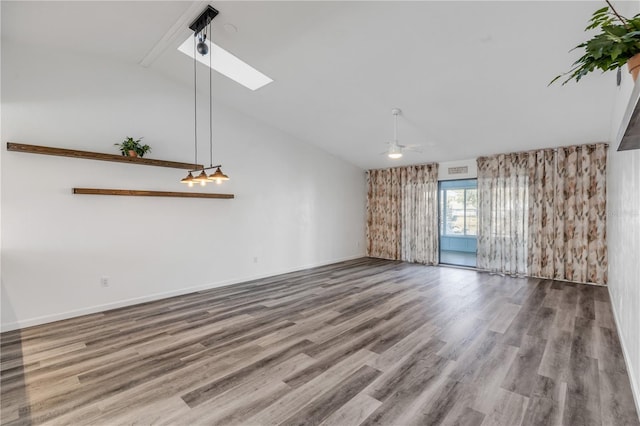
{"points": [[459, 209]]}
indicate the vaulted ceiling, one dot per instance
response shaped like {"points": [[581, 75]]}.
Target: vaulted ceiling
{"points": [[470, 77]]}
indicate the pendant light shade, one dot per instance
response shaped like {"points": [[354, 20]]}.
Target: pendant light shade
{"points": [[218, 176], [202, 178], [189, 180]]}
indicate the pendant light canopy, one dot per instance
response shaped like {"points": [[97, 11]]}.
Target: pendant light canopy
{"points": [[202, 29]]}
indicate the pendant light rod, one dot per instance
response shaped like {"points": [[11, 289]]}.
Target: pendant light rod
{"points": [[195, 102], [206, 168], [210, 106]]}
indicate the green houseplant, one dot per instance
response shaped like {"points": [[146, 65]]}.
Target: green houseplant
{"points": [[133, 148], [615, 45]]}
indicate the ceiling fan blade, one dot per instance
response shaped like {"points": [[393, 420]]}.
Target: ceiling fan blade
{"points": [[414, 149]]}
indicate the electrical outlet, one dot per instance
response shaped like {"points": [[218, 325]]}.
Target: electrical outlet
{"points": [[104, 282]]}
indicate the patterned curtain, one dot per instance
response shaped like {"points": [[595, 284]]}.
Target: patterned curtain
{"points": [[419, 214], [542, 234], [543, 213], [402, 213], [568, 223], [503, 213], [383, 214]]}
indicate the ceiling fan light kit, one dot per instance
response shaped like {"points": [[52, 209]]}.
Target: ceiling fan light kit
{"points": [[395, 150]]}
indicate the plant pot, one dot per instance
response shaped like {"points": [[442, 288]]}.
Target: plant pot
{"points": [[132, 153], [634, 66]]}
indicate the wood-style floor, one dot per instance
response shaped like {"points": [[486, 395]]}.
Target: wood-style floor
{"points": [[367, 342]]}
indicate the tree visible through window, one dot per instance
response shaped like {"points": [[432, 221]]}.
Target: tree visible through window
{"points": [[460, 212]]}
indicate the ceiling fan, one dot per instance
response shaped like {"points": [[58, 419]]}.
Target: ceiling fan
{"points": [[395, 149]]}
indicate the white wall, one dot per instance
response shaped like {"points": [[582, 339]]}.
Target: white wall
{"points": [[623, 235], [295, 206], [1, 152]]}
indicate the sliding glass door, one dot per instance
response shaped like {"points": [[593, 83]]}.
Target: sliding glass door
{"points": [[458, 222]]}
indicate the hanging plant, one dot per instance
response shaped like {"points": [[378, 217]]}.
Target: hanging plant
{"points": [[615, 45], [133, 148]]}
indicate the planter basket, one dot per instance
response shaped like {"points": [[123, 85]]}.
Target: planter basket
{"points": [[634, 66]]}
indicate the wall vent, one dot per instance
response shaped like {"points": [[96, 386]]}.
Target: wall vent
{"points": [[458, 170]]}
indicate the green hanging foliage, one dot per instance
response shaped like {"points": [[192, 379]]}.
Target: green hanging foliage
{"points": [[617, 42]]}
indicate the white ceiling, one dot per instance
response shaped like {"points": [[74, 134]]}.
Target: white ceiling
{"points": [[470, 77]]}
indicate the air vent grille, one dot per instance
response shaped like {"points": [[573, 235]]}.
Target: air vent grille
{"points": [[458, 170]]}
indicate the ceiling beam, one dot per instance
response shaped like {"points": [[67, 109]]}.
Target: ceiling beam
{"points": [[173, 32]]}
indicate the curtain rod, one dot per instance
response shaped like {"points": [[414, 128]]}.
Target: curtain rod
{"points": [[432, 164], [606, 145]]}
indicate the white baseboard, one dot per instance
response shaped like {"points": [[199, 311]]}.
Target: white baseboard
{"points": [[635, 388], [157, 296]]}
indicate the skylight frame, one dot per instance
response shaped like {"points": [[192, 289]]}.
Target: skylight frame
{"points": [[227, 64]]}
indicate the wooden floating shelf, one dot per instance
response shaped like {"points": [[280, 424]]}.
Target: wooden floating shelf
{"points": [[138, 193], [63, 152]]}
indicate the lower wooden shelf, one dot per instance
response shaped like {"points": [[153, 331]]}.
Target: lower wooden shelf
{"points": [[139, 193]]}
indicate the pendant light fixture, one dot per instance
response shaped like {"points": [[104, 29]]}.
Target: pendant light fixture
{"points": [[202, 28]]}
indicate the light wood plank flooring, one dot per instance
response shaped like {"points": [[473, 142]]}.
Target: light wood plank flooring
{"points": [[368, 342]]}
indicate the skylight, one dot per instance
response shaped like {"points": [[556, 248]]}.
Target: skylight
{"points": [[227, 64]]}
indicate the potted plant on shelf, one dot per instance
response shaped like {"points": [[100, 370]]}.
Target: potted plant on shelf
{"points": [[617, 43], [133, 148]]}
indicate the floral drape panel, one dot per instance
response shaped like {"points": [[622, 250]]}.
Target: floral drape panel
{"points": [[542, 193], [561, 197], [402, 213], [568, 240], [383, 214], [502, 214], [419, 214]]}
